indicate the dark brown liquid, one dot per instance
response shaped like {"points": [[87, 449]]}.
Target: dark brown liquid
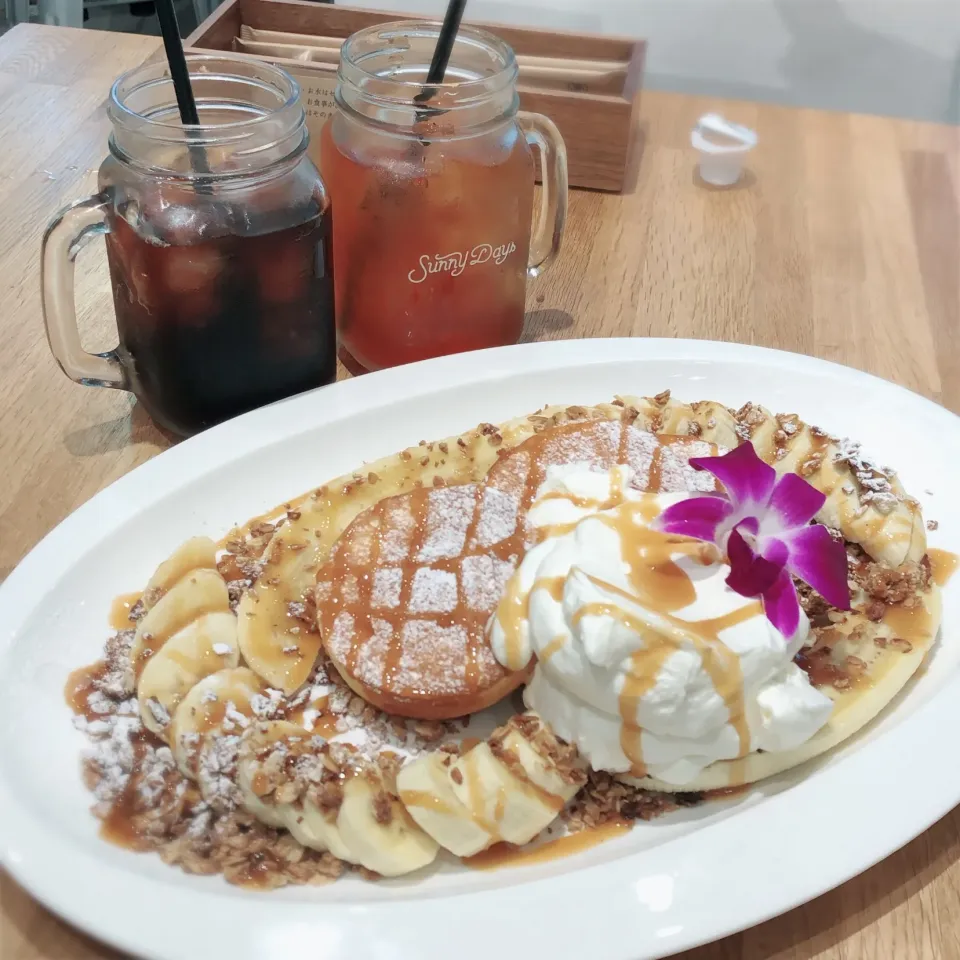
{"points": [[213, 328]]}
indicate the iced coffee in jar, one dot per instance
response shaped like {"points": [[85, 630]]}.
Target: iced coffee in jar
{"points": [[219, 245], [433, 188]]}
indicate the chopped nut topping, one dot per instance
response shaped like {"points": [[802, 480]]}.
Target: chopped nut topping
{"points": [[429, 730], [382, 808]]}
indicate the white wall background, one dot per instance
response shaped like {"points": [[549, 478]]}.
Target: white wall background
{"points": [[898, 57]]}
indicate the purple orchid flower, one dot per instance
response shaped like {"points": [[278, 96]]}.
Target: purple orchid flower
{"points": [[763, 525]]}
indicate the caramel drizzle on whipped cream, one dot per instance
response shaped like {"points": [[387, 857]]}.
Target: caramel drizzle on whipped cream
{"points": [[658, 584]]}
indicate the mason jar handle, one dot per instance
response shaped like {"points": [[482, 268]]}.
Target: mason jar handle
{"points": [[66, 235], [542, 134]]}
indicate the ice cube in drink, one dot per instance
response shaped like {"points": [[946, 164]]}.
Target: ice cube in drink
{"points": [[284, 270]]}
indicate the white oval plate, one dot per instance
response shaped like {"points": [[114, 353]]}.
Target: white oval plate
{"points": [[666, 886]]}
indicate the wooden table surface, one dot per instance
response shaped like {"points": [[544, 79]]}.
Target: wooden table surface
{"points": [[842, 243]]}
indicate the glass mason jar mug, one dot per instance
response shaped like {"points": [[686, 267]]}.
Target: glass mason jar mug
{"points": [[218, 242], [433, 188]]}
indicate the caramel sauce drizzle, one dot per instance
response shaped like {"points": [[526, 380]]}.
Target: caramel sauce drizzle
{"points": [[943, 565], [80, 684], [476, 805], [530, 787], [551, 648], [120, 611], [908, 623], [507, 855], [428, 801]]}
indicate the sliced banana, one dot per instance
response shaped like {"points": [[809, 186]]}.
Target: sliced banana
{"points": [[426, 790], [261, 744], [317, 829], [378, 831], [198, 553], [204, 646], [508, 788], [217, 704], [310, 826], [281, 766], [200, 592], [867, 504], [277, 644]]}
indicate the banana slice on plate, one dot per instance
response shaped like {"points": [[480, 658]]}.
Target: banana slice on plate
{"points": [[378, 831], [328, 800], [198, 553], [426, 790], [206, 645], [187, 633], [508, 788], [278, 760], [220, 703], [200, 592]]}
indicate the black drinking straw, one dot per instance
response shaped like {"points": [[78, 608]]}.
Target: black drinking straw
{"points": [[441, 55], [173, 45]]}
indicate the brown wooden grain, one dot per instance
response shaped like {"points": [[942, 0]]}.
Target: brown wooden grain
{"points": [[843, 243]]}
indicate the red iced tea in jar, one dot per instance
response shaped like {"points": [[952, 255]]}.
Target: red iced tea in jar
{"points": [[431, 240]]}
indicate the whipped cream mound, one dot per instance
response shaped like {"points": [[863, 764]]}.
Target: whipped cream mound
{"points": [[646, 660]]}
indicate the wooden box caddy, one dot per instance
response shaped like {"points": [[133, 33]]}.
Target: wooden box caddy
{"points": [[588, 85]]}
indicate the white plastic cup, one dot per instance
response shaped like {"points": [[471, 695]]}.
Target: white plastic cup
{"points": [[722, 147]]}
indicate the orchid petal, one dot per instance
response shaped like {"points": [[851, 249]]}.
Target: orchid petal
{"points": [[782, 606], [698, 517], [794, 503], [750, 524], [776, 551], [745, 476], [750, 574], [818, 559]]}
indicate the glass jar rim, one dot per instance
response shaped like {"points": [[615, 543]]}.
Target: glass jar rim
{"points": [[157, 73], [461, 91]]}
